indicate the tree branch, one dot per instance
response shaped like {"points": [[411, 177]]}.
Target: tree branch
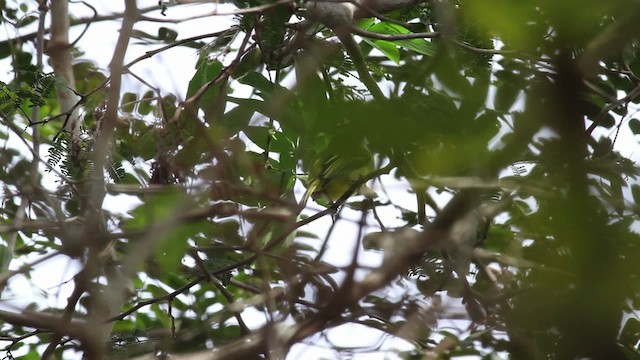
{"points": [[609, 42]]}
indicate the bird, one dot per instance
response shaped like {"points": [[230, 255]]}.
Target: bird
{"points": [[331, 176]]}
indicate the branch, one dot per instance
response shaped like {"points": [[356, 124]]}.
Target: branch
{"points": [[46, 322], [609, 42], [408, 249], [112, 301], [614, 104], [35, 149], [141, 304], [74, 22], [6, 275], [391, 37], [72, 301], [59, 51], [244, 330], [151, 53], [248, 10], [425, 35]]}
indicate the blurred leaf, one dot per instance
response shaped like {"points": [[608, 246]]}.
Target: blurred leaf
{"points": [[167, 35], [207, 72], [145, 107], [634, 125], [388, 48], [420, 46], [128, 102], [238, 118]]}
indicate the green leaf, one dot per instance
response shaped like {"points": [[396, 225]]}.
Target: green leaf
{"points": [[5, 50], [207, 71], [156, 209], [312, 95], [5, 258], [258, 82], [421, 46], [277, 140], [173, 248], [172, 242], [24, 21], [128, 102], [249, 62], [289, 117], [237, 118], [167, 34], [259, 135], [142, 35], [145, 107], [630, 332], [389, 49], [507, 91], [634, 125], [366, 23], [635, 192]]}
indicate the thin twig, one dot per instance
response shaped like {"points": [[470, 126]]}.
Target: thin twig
{"points": [[244, 330], [392, 37], [74, 22], [242, 11], [141, 304]]}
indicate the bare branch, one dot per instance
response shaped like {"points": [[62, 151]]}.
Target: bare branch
{"points": [[59, 50], [609, 41]]}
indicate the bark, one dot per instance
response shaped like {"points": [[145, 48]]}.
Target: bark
{"points": [[59, 51]]}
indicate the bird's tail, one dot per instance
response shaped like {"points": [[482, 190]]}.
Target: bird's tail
{"points": [[312, 187]]}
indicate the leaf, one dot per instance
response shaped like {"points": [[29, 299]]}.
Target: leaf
{"points": [[128, 102], [142, 35], [174, 246], [148, 144], [635, 192], [155, 210], [607, 121], [312, 95], [389, 49], [237, 118], [145, 107], [206, 72], [259, 135], [249, 62], [172, 242], [167, 34], [24, 21], [421, 46], [5, 258], [366, 23], [259, 82], [277, 141], [289, 117], [476, 97], [634, 125], [630, 332], [507, 90]]}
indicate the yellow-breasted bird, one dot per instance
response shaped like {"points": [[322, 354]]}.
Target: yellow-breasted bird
{"points": [[331, 176]]}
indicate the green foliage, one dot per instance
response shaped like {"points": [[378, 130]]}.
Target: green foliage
{"points": [[30, 89], [537, 259], [58, 157], [420, 46]]}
